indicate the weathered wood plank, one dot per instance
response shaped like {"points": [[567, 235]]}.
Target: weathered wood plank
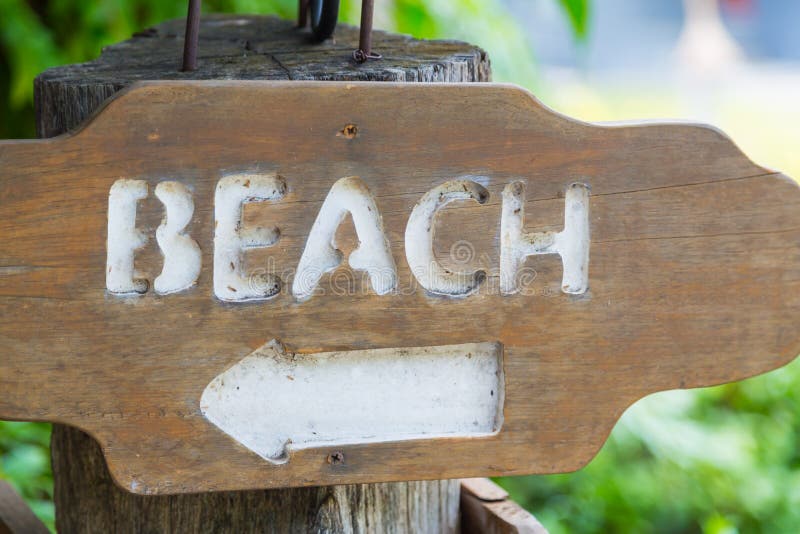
{"points": [[85, 498], [486, 509], [688, 237], [246, 47], [93, 503], [16, 517]]}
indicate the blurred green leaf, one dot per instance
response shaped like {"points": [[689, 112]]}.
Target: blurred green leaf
{"points": [[578, 13], [25, 463]]}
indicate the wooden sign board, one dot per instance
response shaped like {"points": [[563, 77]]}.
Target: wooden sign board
{"points": [[238, 285]]}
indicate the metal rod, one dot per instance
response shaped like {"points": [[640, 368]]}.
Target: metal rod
{"points": [[365, 38], [302, 13], [192, 36], [364, 51]]}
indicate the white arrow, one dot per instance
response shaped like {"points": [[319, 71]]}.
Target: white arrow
{"points": [[273, 401]]}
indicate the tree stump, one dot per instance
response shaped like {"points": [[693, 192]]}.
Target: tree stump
{"points": [[248, 48]]}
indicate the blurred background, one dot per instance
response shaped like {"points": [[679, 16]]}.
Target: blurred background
{"points": [[717, 460]]}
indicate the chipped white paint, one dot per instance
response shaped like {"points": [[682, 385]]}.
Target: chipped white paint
{"points": [[273, 402], [182, 259], [572, 243], [123, 238], [348, 195], [419, 239], [230, 239]]}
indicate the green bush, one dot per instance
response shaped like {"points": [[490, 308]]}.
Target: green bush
{"points": [[25, 463]]}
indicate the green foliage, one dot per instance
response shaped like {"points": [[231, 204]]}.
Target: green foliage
{"points": [[25, 463], [38, 35], [484, 22]]}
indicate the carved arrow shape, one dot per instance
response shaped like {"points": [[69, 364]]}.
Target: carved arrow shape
{"points": [[608, 262], [274, 401]]}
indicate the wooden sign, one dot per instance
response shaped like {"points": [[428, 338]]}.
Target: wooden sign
{"points": [[238, 285]]}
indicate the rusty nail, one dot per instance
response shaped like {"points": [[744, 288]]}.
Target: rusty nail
{"points": [[364, 51], [350, 131]]}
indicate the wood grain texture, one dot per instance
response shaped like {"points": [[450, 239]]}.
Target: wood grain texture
{"points": [[65, 96], [89, 502], [693, 274], [246, 47], [486, 509], [16, 517]]}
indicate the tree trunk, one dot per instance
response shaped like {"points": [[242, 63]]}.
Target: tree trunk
{"points": [[241, 47]]}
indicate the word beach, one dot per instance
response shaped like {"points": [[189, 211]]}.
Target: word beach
{"points": [[137, 255], [350, 195]]}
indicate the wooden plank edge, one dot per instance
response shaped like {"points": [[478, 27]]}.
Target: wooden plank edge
{"points": [[486, 508], [16, 517]]}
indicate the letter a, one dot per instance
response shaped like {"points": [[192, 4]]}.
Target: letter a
{"points": [[372, 255]]}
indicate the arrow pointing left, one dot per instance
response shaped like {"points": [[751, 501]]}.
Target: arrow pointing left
{"points": [[273, 401]]}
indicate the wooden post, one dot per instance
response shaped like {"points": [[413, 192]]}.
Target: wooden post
{"points": [[241, 47]]}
